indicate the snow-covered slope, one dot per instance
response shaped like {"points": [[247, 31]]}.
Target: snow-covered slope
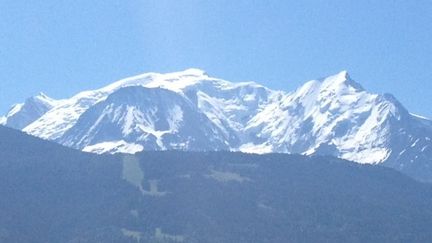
{"points": [[135, 118], [21, 115], [331, 116], [336, 116], [64, 116], [191, 111]]}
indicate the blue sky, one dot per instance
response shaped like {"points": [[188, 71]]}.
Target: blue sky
{"points": [[62, 47]]}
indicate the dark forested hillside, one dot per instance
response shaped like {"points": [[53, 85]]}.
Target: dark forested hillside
{"points": [[54, 194]]}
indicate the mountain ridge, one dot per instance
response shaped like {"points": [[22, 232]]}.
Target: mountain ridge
{"points": [[21, 115], [329, 116]]}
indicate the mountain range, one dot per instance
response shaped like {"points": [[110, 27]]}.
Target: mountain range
{"points": [[192, 111]]}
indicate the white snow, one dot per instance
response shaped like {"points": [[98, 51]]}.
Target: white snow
{"points": [[114, 147], [415, 143], [15, 109], [334, 115], [23, 114], [255, 149]]}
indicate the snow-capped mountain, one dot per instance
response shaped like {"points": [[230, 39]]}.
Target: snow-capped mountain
{"points": [[191, 111], [337, 116], [331, 116], [23, 114], [135, 118]]}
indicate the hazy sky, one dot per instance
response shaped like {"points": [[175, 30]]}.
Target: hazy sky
{"points": [[62, 47]]}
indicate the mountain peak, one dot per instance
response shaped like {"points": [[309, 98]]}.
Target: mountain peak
{"points": [[42, 95], [344, 75], [195, 72], [41, 98], [172, 80], [22, 114], [341, 80]]}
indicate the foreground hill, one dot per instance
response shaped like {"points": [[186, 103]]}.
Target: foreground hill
{"points": [[54, 194]]}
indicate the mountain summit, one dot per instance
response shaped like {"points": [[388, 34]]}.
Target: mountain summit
{"points": [[21, 115], [339, 82], [190, 110]]}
